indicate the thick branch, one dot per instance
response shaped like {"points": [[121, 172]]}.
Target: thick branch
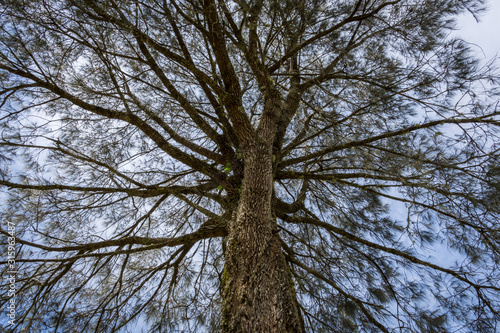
{"points": [[208, 229], [352, 144], [130, 118], [146, 192], [399, 253]]}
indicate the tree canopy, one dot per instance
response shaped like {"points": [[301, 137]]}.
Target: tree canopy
{"points": [[150, 149]]}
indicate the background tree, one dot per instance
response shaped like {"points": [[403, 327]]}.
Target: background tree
{"points": [[230, 166]]}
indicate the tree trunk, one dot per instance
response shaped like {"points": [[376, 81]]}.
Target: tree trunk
{"points": [[258, 292]]}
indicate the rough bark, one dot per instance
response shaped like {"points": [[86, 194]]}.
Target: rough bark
{"points": [[258, 290]]}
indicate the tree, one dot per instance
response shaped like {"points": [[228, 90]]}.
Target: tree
{"points": [[203, 165]]}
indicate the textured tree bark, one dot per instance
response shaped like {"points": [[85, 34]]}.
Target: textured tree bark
{"points": [[258, 293]]}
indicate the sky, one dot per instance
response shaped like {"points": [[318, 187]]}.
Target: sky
{"points": [[485, 33]]}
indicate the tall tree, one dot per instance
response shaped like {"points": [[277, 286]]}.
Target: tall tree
{"points": [[235, 166]]}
